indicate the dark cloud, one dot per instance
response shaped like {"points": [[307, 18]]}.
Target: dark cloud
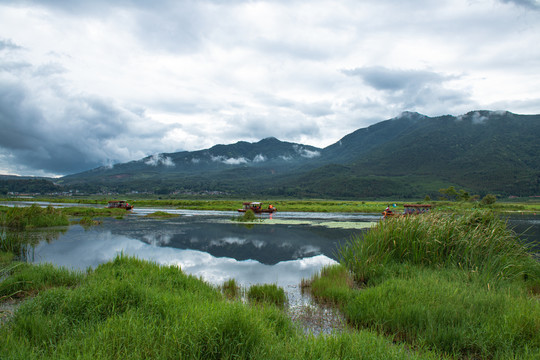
{"points": [[417, 90], [382, 78], [8, 45], [530, 4], [80, 133]]}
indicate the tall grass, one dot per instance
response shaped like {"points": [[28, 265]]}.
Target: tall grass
{"points": [[462, 285], [21, 218], [132, 309], [478, 242], [267, 294]]}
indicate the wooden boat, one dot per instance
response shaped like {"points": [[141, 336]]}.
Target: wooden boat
{"points": [[121, 204], [409, 209], [257, 208]]}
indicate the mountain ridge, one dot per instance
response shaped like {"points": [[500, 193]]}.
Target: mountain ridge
{"points": [[409, 155]]}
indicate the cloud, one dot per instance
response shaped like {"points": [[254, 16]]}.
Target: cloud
{"points": [[93, 83], [229, 161], [416, 90], [302, 151], [259, 158], [7, 44], [382, 78], [530, 4], [159, 159], [46, 129]]}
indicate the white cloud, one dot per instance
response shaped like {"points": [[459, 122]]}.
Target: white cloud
{"points": [[259, 158], [83, 84], [229, 161], [306, 152], [159, 159]]}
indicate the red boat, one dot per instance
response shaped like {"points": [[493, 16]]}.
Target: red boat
{"points": [[257, 208], [120, 204]]}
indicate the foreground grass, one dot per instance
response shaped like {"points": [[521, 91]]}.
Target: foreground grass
{"points": [[132, 309], [461, 285]]}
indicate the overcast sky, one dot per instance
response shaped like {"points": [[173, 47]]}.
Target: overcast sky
{"points": [[89, 83]]}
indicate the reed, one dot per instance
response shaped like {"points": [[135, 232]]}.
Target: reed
{"points": [[478, 241], [267, 294], [21, 218], [231, 289]]}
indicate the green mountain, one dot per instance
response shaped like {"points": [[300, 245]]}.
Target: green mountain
{"points": [[409, 156]]}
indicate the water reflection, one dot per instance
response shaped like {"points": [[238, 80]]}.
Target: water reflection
{"points": [[77, 250], [22, 243]]}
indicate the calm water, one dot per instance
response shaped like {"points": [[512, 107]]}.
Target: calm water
{"points": [[208, 244]]}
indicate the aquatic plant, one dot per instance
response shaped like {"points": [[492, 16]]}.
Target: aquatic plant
{"points": [[267, 294], [161, 214]]}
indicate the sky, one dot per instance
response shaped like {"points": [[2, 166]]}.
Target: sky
{"points": [[85, 83]]}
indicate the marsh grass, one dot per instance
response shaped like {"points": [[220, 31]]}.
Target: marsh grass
{"points": [[231, 289], [23, 279], [462, 285], [88, 222], [477, 242], [249, 217], [21, 218], [133, 309], [161, 214], [267, 294]]}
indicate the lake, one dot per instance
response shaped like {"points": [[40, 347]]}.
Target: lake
{"points": [[207, 244], [285, 248]]}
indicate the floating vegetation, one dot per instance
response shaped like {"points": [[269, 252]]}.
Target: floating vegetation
{"points": [[162, 215]]}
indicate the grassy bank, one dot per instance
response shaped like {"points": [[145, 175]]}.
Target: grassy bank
{"points": [[132, 309], [298, 205], [461, 285]]}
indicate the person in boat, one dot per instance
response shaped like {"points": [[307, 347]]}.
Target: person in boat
{"points": [[270, 206]]}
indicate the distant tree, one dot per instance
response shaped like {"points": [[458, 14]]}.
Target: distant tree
{"points": [[464, 195], [489, 199], [449, 194], [427, 198]]}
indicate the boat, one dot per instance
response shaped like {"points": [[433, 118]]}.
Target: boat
{"points": [[409, 209], [257, 207], [119, 204]]}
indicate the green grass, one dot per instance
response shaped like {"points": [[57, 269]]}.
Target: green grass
{"points": [[477, 242], [267, 294], [231, 289], [22, 218], [23, 279], [133, 309], [296, 205], [461, 285]]}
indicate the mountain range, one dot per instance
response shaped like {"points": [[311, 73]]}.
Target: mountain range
{"points": [[409, 156]]}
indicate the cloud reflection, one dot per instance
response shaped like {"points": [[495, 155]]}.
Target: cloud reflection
{"points": [[80, 252]]}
